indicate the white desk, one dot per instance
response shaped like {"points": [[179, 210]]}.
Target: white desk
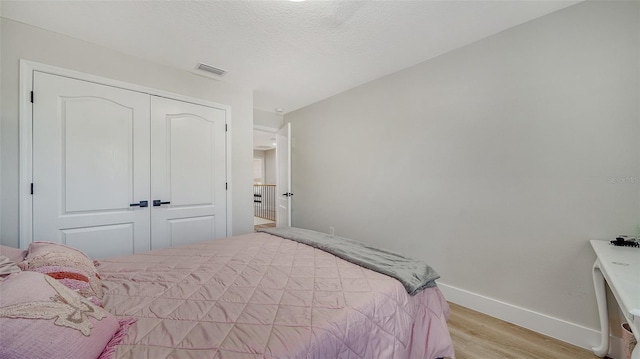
{"points": [[620, 267]]}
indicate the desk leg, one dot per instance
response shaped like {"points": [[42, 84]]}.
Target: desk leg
{"points": [[601, 298]]}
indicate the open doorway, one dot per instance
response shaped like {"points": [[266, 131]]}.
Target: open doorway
{"points": [[272, 169], [264, 178]]}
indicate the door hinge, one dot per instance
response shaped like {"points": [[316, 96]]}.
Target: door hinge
{"points": [[31, 187], [226, 128], [31, 96], [226, 186]]}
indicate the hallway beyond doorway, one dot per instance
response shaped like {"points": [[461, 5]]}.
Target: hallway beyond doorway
{"points": [[262, 223]]}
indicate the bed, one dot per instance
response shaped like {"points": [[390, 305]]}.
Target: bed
{"points": [[261, 295]]}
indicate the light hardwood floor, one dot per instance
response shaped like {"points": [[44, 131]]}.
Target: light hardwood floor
{"points": [[478, 336], [267, 225]]}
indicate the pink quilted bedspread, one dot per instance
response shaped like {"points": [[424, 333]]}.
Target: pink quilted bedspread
{"points": [[262, 296]]}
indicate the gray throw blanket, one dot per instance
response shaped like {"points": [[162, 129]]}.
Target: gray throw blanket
{"points": [[413, 274]]}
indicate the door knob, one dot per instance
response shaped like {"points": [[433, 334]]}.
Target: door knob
{"points": [[158, 203], [140, 204]]}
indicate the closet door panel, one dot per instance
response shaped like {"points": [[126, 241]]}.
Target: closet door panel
{"points": [[90, 163], [188, 166], [120, 238], [97, 149], [191, 230], [190, 160]]}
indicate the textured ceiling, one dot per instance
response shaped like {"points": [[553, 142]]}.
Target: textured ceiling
{"points": [[290, 53]]}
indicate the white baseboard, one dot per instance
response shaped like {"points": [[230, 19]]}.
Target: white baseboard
{"points": [[553, 327]]}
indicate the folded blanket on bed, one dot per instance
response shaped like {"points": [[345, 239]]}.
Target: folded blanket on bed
{"points": [[415, 275]]}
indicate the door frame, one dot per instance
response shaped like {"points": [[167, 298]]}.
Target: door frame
{"points": [[25, 115]]}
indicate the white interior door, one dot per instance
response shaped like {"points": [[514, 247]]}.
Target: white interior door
{"points": [[90, 163], [283, 185], [188, 168]]}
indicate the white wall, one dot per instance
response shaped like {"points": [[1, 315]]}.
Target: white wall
{"points": [[268, 165], [496, 163], [20, 41], [267, 119], [270, 173], [257, 154]]}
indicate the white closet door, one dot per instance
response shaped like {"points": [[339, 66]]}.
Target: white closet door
{"points": [[90, 163], [188, 173]]}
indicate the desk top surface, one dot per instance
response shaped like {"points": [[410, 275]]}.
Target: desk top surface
{"points": [[621, 267]]}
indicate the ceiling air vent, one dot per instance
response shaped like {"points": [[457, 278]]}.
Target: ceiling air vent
{"points": [[211, 69]]}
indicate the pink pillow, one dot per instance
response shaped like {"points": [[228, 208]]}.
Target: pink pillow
{"points": [[7, 266], [68, 265], [41, 318], [14, 254]]}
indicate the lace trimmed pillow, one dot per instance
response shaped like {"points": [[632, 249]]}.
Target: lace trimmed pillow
{"points": [[41, 318], [70, 266]]}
